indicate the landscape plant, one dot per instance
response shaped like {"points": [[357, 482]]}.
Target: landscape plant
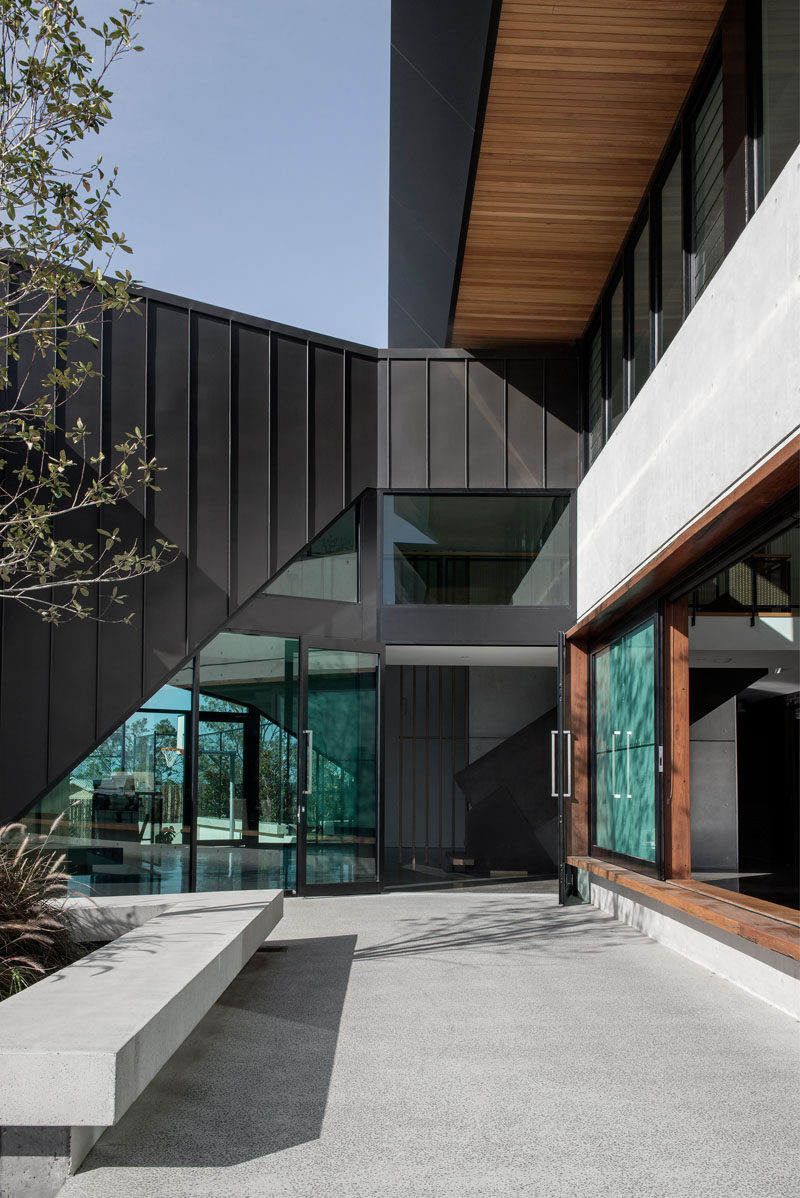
{"points": [[35, 936], [58, 484]]}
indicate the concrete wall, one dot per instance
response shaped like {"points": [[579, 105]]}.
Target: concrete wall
{"points": [[712, 773], [724, 397]]}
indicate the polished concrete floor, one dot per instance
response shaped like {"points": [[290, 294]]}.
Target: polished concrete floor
{"points": [[476, 1042]]}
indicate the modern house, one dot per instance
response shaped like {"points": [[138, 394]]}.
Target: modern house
{"points": [[518, 595]]}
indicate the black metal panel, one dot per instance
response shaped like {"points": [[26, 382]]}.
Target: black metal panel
{"points": [[73, 653], [408, 424], [435, 625], [362, 425], [437, 70], [24, 717], [563, 424], [327, 473], [525, 423], [119, 674], [444, 41], [85, 403], [168, 509], [250, 524], [73, 663], [448, 423], [210, 484], [289, 456], [487, 424]]}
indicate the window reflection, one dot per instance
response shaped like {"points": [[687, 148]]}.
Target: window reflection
{"points": [[617, 359], [127, 823], [780, 64], [327, 568], [471, 549], [640, 367], [671, 256], [247, 763]]}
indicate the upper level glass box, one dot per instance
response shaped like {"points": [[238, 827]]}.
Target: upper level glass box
{"points": [[491, 550]]}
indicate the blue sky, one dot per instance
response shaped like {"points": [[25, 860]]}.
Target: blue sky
{"points": [[252, 142]]}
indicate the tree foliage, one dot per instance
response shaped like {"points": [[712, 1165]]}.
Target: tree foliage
{"points": [[56, 279]]}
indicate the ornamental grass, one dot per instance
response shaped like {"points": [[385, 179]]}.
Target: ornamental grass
{"points": [[35, 937]]}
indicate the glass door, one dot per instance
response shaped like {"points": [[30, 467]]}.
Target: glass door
{"points": [[338, 804], [626, 753]]}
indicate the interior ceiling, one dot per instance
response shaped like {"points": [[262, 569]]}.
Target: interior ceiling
{"points": [[582, 99]]}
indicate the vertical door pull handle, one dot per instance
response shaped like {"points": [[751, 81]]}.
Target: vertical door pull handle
{"points": [[568, 735], [553, 781], [614, 764], [628, 736], [308, 733]]}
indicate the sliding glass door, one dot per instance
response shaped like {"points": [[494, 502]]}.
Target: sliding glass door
{"points": [[338, 803]]}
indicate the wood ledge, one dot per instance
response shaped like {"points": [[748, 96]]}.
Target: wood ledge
{"points": [[777, 929]]}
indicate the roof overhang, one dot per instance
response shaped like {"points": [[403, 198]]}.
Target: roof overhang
{"points": [[581, 102]]}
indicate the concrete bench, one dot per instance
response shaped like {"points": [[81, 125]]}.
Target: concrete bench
{"points": [[79, 1047]]}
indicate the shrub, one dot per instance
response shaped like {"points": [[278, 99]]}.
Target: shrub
{"points": [[35, 937]]}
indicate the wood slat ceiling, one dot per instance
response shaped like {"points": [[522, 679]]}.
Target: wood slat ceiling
{"points": [[581, 102]]}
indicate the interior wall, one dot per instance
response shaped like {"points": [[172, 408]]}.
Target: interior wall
{"points": [[713, 783], [502, 701], [439, 719]]}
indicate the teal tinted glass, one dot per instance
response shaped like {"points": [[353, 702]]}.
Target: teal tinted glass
{"points": [[342, 786], [327, 568], [625, 745], [476, 549], [247, 763], [125, 818]]}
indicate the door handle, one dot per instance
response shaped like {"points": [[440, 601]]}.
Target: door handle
{"points": [[308, 733], [553, 768], [628, 736], [614, 765]]}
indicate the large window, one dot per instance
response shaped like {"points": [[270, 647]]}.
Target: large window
{"points": [[640, 266], [685, 205], [476, 549], [743, 710], [125, 821], [780, 69], [616, 358], [708, 200], [625, 766], [671, 255], [596, 403]]}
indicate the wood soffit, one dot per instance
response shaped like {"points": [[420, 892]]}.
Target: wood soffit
{"points": [[582, 99]]}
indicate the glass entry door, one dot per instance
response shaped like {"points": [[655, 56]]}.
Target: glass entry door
{"points": [[625, 745], [338, 803]]}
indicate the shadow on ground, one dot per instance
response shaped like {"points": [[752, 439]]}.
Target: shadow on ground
{"points": [[512, 927], [258, 1067]]}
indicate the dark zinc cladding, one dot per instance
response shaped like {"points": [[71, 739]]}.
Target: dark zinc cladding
{"points": [[500, 550]]}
